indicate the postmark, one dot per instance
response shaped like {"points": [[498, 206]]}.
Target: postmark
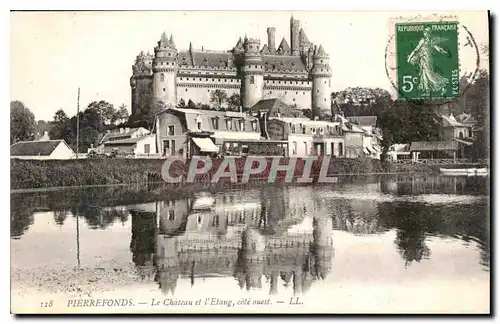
{"points": [[430, 58]]}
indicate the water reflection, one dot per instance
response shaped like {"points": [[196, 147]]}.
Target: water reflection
{"points": [[267, 238]]}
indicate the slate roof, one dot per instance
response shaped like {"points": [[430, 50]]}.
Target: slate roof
{"points": [[451, 121], [274, 106], [114, 134], [434, 146], [363, 120], [283, 62], [35, 148], [208, 116], [132, 140]]}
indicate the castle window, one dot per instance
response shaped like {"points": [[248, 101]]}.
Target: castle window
{"points": [[304, 93], [313, 130], [169, 54], [181, 79], [170, 130], [162, 77], [208, 90], [317, 91], [163, 89], [171, 215], [206, 79], [270, 92], [231, 80], [215, 123], [325, 82], [161, 63], [293, 99], [324, 99], [321, 130], [321, 70], [186, 90], [199, 72], [229, 124], [293, 128], [296, 92], [252, 79], [242, 125], [321, 61], [254, 125], [303, 129], [285, 92], [200, 79], [213, 80], [294, 148]]}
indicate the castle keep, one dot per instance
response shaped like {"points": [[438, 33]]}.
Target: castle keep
{"points": [[297, 74]]}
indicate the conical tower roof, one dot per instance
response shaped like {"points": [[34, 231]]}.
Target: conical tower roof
{"points": [[265, 49], [321, 52], [172, 40], [163, 40], [284, 47], [303, 36]]}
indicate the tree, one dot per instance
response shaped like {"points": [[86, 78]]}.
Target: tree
{"points": [[61, 127], [234, 102], [105, 110], [191, 104], [121, 114], [218, 97], [182, 103], [22, 122]]}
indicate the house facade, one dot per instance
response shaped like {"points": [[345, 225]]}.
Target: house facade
{"points": [[187, 132], [307, 137], [137, 142]]}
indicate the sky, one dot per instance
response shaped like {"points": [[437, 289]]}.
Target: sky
{"points": [[54, 53]]}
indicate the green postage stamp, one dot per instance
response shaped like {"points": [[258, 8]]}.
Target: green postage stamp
{"points": [[427, 60]]}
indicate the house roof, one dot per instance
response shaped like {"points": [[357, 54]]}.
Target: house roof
{"points": [[274, 106], [132, 140], [363, 120], [35, 148], [209, 117], [116, 133], [450, 121], [434, 146]]}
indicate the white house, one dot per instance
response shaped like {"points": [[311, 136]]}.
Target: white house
{"points": [[41, 150], [128, 141]]}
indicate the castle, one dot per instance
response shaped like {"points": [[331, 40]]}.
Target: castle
{"points": [[297, 74]]}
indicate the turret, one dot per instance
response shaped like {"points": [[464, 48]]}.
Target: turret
{"points": [[252, 73], [294, 36], [320, 75], [165, 71], [140, 82], [271, 39]]}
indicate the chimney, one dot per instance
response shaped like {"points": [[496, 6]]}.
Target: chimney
{"points": [[271, 39]]}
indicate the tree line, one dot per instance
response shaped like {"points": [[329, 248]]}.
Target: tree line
{"points": [[95, 119]]}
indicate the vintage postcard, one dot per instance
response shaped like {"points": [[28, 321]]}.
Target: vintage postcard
{"points": [[250, 162]]}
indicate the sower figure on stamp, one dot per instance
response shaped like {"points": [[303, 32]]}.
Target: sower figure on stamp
{"points": [[429, 79]]}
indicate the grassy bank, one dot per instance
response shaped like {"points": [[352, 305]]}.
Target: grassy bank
{"points": [[46, 174]]}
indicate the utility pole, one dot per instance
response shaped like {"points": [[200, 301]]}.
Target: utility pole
{"points": [[78, 123]]}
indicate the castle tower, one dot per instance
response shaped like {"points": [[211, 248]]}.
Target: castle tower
{"points": [[320, 75], [141, 84], [322, 246], [252, 73], [165, 71], [271, 39], [294, 36]]}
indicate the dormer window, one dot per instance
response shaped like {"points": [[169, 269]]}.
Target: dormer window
{"points": [[198, 122]]}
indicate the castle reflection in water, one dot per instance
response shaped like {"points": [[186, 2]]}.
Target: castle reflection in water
{"points": [[269, 236], [250, 235]]}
